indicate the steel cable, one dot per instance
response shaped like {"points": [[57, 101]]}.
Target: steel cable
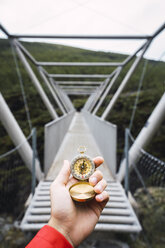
{"points": [[22, 87], [16, 148], [138, 94]]}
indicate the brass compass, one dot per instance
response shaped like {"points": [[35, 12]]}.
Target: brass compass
{"points": [[82, 167]]}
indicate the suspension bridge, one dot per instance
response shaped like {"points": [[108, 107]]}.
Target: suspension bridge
{"points": [[65, 133]]}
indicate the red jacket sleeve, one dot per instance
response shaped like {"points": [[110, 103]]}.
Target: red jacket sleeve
{"points": [[48, 237]]}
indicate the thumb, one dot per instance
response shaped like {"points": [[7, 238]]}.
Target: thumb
{"points": [[64, 173]]}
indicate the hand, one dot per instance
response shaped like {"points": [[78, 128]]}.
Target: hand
{"points": [[74, 220]]}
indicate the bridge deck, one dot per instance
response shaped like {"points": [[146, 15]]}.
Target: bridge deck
{"points": [[77, 135], [118, 216]]}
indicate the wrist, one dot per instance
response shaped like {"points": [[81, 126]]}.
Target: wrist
{"points": [[53, 223]]}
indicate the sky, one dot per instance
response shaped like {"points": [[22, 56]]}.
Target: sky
{"points": [[101, 17]]}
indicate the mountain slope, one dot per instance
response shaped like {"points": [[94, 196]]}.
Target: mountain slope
{"points": [[153, 88]]}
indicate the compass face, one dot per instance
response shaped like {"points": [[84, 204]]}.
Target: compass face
{"points": [[82, 167]]}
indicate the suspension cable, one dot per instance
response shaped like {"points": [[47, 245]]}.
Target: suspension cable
{"points": [[139, 88], [22, 86], [137, 95], [17, 147]]}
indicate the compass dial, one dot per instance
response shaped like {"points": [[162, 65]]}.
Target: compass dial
{"points": [[82, 168]]}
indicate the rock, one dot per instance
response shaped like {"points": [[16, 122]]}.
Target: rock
{"points": [[91, 243], [110, 244], [151, 212], [106, 240], [9, 235], [1, 237], [2, 220], [9, 219], [8, 238], [19, 242]]}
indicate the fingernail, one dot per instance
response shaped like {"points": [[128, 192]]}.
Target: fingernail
{"points": [[100, 197], [93, 180], [99, 188]]}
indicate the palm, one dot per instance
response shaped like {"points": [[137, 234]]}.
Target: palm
{"points": [[80, 216], [75, 220]]}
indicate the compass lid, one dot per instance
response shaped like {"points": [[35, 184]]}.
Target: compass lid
{"points": [[82, 192]]}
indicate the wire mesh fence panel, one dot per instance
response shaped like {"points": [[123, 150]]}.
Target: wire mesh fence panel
{"points": [[15, 183], [152, 169], [148, 171]]}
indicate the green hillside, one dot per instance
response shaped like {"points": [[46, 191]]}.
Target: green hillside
{"points": [[15, 179], [153, 88]]}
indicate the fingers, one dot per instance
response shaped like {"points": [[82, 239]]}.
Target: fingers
{"points": [[98, 161], [103, 197], [95, 178], [64, 173], [99, 184], [97, 181], [99, 188]]}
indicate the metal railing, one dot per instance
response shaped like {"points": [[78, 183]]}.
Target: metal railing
{"points": [[146, 171], [14, 171]]}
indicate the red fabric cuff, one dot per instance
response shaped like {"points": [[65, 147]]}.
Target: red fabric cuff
{"points": [[48, 237]]}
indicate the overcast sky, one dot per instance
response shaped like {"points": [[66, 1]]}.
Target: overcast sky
{"points": [[88, 17]]}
